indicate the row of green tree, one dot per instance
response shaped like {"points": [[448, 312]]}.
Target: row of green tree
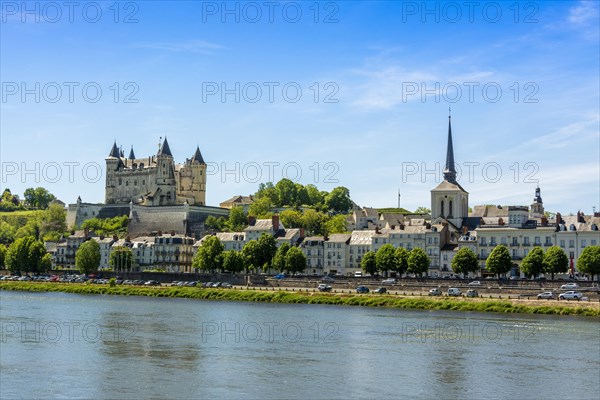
{"points": [[256, 255], [314, 222], [107, 226], [25, 254], [286, 193], [35, 199], [552, 261], [398, 260], [49, 224]]}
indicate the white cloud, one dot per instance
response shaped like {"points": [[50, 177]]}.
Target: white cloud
{"points": [[191, 46]]}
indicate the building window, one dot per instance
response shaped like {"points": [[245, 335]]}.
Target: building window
{"points": [[583, 242], [562, 243], [537, 241], [571, 243]]}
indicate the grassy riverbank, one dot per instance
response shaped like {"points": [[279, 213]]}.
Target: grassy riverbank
{"points": [[458, 304]]}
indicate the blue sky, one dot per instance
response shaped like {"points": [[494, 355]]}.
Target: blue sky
{"points": [[367, 91]]}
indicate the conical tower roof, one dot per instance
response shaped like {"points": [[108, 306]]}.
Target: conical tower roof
{"points": [[164, 149], [198, 156], [114, 152]]}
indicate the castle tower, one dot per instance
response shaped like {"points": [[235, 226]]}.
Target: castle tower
{"points": [[537, 207], [191, 183], [113, 162], [165, 176], [449, 200]]}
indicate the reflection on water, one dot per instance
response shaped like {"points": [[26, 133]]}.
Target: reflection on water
{"points": [[128, 347]]}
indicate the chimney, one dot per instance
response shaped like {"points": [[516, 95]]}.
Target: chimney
{"points": [[101, 237], [559, 219], [580, 217], [251, 220], [326, 236], [401, 227], [275, 221], [544, 220], [377, 229], [159, 233], [115, 238], [172, 233], [393, 227], [302, 232], [500, 221]]}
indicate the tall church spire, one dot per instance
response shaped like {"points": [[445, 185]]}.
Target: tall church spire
{"points": [[164, 149], [114, 152], [449, 170]]}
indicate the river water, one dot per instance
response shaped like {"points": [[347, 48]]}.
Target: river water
{"points": [[56, 345]]}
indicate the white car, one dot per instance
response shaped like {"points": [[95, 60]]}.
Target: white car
{"points": [[570, 295], [389, 281], [475, 283], [569, 286], [545, 295]]}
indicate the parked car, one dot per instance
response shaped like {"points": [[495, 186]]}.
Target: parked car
{"points": [[362, 289], [152, 283], [475, 283], [389, 281], [472, 293], [323, 287], [435, 292], [380, 290], [568, 286], [327, 279], [570, 295], [454, 291], [226, 285], [545, 295], [207, 284], [280, 276]]}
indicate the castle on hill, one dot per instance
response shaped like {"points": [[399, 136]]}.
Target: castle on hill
{"points": [[155, 180]]}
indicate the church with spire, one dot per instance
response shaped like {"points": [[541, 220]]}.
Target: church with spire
{"points": [[155, 180], [449, 201]]}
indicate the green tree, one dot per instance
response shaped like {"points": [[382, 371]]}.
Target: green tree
{"points": [[291, 218], [533, 263], [418, 262], [279, 259], [31, 228], [2, 255], [261, 208], [555, 261], [53, 222], [215, 223], [268, 246], [301, 196], [385, 258], [25, 255], [268, 191], [499, 261], [401, 261], [237, 221], [233, 261], [423, 210], [108, 226], [210, 255], [589, 261], [252, 255], [465, 261], [87, 257], [336, 224], [295, 260], [314, 222], [38, 198], [315, 197], [121, 258], [338, 200], [46, 263], [7, 233], [287, 193], [369, 263]]}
